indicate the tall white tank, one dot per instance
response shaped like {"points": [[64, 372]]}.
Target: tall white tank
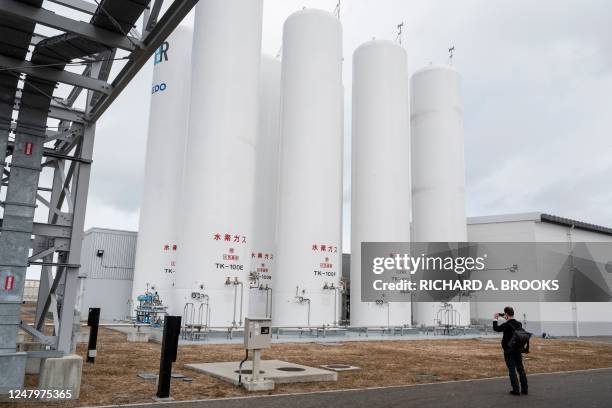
{"points": [[157, 245], [309, 231], [380, 168], [218, 192], [438, 169], [266, 189]]}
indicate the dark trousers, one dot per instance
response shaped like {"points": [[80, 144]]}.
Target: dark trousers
{"points": [[514, 361]]}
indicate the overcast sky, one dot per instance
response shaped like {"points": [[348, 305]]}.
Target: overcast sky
{"points": [[537, 83]]}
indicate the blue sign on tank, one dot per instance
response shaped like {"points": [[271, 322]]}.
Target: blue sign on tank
{"points": [[161, 87]]}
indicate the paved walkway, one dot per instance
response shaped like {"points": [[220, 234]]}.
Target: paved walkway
{"points": [[578, 389]]}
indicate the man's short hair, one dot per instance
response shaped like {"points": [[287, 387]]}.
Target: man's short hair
{"points": [[509, 311]]}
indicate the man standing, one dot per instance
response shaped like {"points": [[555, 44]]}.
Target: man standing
{"points": [[513, 357]]}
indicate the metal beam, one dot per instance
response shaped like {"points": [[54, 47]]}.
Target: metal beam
{"points": [[48, 133], [54, 75], [169, 21], [50, 340], [57, 110], [150, 17], [51, 230], [17, 9], [79, 5], [76, 91]]}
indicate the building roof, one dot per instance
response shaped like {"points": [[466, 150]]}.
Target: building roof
{"points": [[109, 231], [540, 217]]}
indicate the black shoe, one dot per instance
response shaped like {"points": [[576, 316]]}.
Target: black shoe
{"points": [[524, 392], [514, 392]]}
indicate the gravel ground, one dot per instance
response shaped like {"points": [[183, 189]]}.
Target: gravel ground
{"points": [[113, 378]]}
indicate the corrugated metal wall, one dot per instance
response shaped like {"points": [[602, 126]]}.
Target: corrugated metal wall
{"points": [[108, 284], [119, 248]]}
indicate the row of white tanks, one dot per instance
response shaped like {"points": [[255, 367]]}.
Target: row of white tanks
{"points": [[242, 202]]}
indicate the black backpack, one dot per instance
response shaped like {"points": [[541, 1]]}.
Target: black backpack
{"points": [[520, 340]]}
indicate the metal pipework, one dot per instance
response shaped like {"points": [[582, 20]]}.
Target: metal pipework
{"points": [[331, 286], [269, 309], [336, 290], [235, 283], [188, 315], [205, 302], [241, 299], [302, 299], [268, 290], [228, 282], [381, 302]]}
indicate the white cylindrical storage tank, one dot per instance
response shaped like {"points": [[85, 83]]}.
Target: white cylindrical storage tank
{"points": [[438, 169], [219, 177], [309, 229], [380, 168], [266, 189], [157, 245]]}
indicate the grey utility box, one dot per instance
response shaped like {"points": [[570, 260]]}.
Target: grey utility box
{"points": [[257, 333]]}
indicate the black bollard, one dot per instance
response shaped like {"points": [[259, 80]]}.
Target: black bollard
{"points": [[93, 320], [172, 328]]}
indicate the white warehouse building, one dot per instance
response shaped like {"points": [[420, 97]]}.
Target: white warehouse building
{"points": [[555, 318], [107, 270]]}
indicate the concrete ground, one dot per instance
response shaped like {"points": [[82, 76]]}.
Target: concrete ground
{"points": [[584, 389], [593, 339]]}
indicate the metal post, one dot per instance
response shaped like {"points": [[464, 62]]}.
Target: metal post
{"points": [[17, 227], [93, 320], [172, 328], [256, 364]]}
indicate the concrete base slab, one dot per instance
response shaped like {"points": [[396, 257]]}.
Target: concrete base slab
{"points": [[280, 372], [138, 337], [261, 385], [63, 373]]}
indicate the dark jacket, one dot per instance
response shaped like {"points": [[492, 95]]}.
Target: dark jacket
{"points": [[508, 329]]}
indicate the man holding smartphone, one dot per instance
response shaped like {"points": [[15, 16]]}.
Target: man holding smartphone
{"points": [[513, 357]]}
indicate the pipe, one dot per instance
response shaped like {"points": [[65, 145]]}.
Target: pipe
{"points": [[302, 299], [307, 300], [188, 321], [268, 301], [240, 367], [388, 313], [241, 299], [235, 301], [206, 302], [228, 282], [270, 313], [208, 316], [335, 307]]}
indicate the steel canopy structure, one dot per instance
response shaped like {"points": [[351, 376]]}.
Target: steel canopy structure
{"points": [[32, 66]]}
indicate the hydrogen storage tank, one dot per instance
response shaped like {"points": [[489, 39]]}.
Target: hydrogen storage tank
{"points": [[219, 176], [438, 171], [266, 189], [309, 230], [157, 244], [380, 182]]}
